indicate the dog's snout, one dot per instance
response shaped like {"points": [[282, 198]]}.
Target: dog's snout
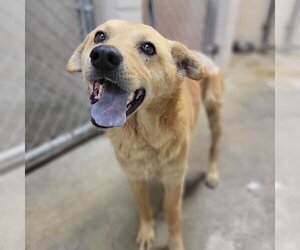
{"points": [[106, 57]]}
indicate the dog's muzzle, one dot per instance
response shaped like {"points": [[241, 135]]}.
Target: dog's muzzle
{"points": [[111, 100]]}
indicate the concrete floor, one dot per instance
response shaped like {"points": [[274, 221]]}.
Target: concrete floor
{"points": [[12, 206], [81, 201], [287, 152]]}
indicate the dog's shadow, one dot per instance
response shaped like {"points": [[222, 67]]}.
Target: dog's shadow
{"points": [[192, 184]]}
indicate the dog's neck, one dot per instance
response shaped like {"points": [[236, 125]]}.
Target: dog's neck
{"points": [[160, 112]]}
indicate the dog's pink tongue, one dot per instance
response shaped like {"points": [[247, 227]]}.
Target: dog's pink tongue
{"points": [[110, 110]]}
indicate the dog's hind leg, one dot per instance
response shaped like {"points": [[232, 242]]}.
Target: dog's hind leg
{"points": [[146, 232], [212, 98]]}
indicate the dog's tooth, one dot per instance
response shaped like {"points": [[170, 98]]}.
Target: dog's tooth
{"points": [[97, 84], [138, 95], [130, 98], [100, 90]]}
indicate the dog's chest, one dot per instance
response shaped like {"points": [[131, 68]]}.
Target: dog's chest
{"points": [[142, 157]]}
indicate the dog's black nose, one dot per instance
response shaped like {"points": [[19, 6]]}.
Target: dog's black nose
{"points": [[106, 57]]}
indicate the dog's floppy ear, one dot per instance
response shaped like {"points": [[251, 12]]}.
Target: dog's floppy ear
{"points": [[74, 63], [187, 61]]}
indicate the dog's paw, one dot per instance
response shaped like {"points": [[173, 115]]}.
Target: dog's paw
{"points": [[176, 243], [145, 236], [212, 180]]}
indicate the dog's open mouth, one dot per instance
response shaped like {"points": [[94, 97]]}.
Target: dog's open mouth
{"points": [[111, 105]]}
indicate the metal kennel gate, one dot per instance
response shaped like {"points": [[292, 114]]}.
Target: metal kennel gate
{"points": [[57, 103]]}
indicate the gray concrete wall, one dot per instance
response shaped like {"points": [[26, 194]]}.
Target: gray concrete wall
{"points": [[12, 120], [12, 74]]}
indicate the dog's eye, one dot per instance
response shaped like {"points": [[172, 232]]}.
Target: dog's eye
{"points": [[148, 48], [100, 37]]}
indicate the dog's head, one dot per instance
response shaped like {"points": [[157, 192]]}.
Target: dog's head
{"points": [[127, 66]]}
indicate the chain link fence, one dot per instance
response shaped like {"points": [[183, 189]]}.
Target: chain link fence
{"points": [[56, 102]]}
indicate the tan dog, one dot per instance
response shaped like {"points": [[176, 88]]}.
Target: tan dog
{"points": [[146, 90]]}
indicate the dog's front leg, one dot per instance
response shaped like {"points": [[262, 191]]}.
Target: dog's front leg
{"points": [[146, 232], [172, 207]]}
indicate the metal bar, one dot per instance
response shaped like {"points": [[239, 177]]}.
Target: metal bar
{"points": [[49, 150], [12, 158], [209, 46], [151, 13], [89, 15], [267, 26], [290, 28], [79, 17]]}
